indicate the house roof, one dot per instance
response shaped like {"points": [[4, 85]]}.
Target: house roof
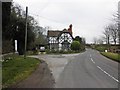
{"points": [[57, 33], [65, 31], [52, 33]]}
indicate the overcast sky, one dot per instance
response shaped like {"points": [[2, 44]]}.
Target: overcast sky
{"points": [[88, 17]]}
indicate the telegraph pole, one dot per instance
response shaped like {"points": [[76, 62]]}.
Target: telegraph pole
{"points": [[119, 21], [26, 33], [119, 42]]}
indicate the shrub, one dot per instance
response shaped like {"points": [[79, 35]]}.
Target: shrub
{"points": [[29, 52], [35, 52], [75, 46]]}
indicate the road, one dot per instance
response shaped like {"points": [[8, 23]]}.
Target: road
{"points": [[56, 63], [84, 70], [89, 70]]}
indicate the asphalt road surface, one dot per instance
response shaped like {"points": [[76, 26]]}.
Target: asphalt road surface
{"points": [[89, 70]]}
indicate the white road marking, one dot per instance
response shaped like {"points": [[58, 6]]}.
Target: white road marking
{"points": [[104, 71], [108, 74], [92, 61]]}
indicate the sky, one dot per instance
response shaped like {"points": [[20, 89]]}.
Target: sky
{"points": [[88, 17]]}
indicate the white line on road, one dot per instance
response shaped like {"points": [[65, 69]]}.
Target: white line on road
{"points": [[108, 74], [104, 71], [92, 61]]}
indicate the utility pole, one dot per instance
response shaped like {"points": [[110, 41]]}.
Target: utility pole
{"points": [[26, 34], [119, 42], [119, 22]]}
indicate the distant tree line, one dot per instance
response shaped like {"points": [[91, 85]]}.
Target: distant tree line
{"points": [[13, 28]]}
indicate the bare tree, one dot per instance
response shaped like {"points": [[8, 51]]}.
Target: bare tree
{"points": [[119, 22], [107, 34], [100, 41], [119, 32], [115, 17], [116, 21], [95, 40], [113, 28]]}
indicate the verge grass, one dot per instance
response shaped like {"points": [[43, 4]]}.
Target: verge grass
{"points": [[17, 69], [113, 56]]}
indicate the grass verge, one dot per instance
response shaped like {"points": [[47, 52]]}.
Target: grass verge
{"points": [[113, 56], [17, 69]]}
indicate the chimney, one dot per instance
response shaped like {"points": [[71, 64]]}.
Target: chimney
{"points": [[70, 29]]}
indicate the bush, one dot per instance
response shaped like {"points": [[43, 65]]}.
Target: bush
{"points": [[35, 52], [82, 47], [29, 52], [75, 46]]}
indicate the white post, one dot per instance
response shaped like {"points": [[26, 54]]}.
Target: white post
{"points": [[16, 46]]}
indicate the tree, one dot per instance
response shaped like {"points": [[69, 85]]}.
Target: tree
{"points": [[75, 46], [114, 32], [107, 34], [6, 40], [78, 38], [116, 21], [18, 28], [100, 41], [82, 42], [15, 30], [95, 40], [41, 38]]}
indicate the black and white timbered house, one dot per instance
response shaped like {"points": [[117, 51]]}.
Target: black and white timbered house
{"points": [[60, 40]]}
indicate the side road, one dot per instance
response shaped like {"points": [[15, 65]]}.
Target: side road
{"points": [[57, 63]]}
